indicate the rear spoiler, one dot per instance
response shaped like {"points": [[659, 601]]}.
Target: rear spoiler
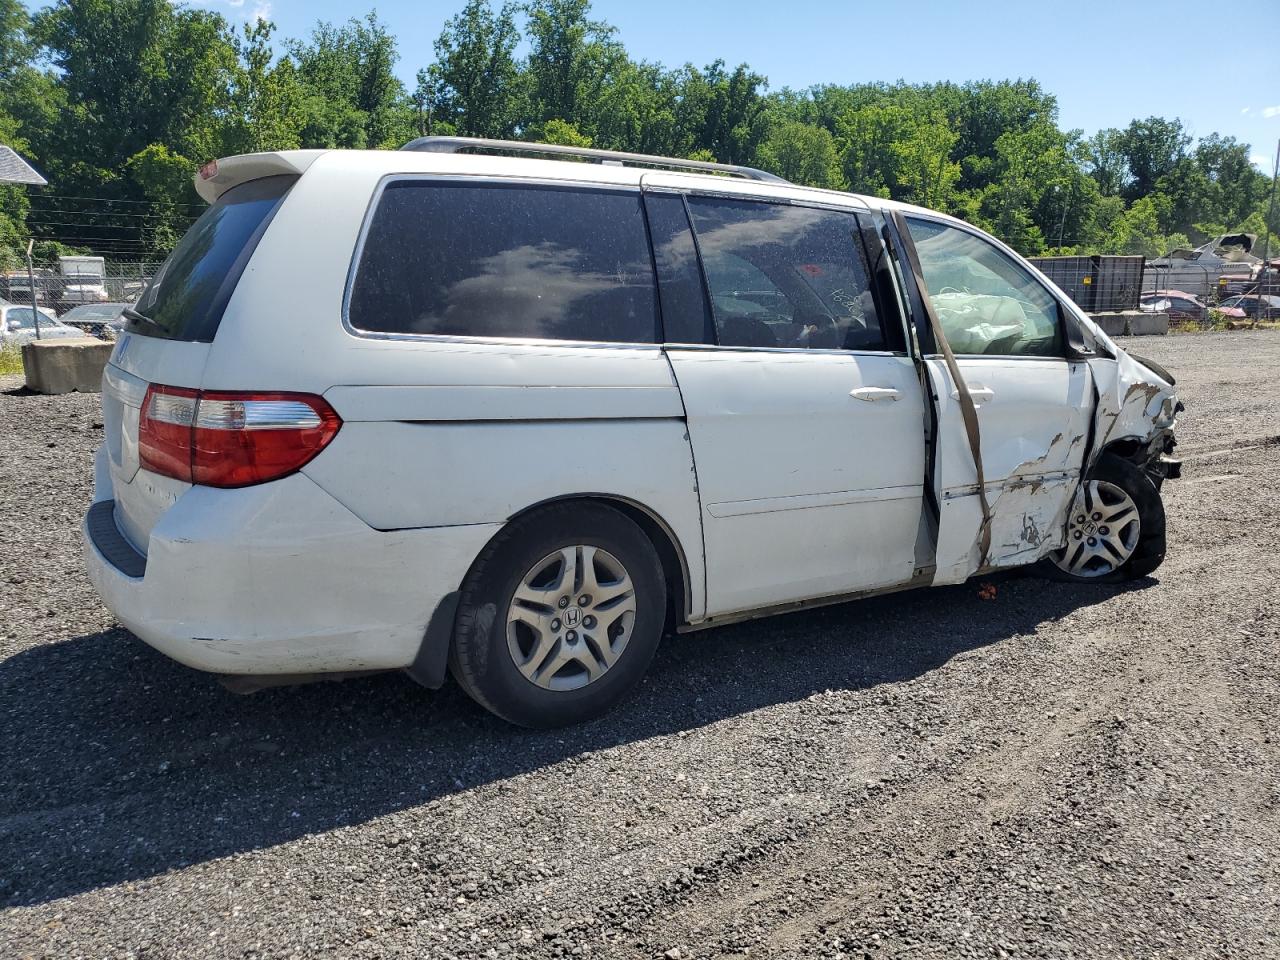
{"points": [[218, 176]]}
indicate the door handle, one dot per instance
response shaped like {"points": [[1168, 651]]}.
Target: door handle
{"points": [[872, 394], [979, 394]]}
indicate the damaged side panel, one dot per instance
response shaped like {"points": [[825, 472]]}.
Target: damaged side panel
{"points": [[1034, 416], [1133, 404]]}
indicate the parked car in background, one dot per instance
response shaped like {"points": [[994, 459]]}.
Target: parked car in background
{"points": [[17, 286], [18, 324], [1180, 305], [102, 320], [515, 417], [1255, 306]]}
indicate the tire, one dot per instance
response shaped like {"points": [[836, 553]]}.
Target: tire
{"points": [[1148, 551], [497, 635]]}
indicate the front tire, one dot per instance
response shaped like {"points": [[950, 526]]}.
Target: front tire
{"points": [[560, 616], [1116, 527]]}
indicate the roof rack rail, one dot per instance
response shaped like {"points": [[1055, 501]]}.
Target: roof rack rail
{"points": [[465, 144]]}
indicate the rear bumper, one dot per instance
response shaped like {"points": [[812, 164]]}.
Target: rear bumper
{"points": [[279, 579]]}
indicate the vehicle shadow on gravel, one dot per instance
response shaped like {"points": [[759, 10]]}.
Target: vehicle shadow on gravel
{"points": [[119, 764]]}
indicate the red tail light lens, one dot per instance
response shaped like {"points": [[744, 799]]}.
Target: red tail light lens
{"points": [[224, 439]]}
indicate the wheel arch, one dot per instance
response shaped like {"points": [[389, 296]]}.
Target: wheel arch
{"points": [[1130, 448], [671, 552], [429, 666]]}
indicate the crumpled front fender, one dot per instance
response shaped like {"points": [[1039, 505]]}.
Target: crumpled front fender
{"points": [[1134, 404]]}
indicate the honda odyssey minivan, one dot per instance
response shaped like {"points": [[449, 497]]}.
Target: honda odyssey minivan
{"points": [[508, 411]]}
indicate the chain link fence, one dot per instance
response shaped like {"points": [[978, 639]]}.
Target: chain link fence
{"points": [[1097, 284], [79, 281], [1203, 296]]}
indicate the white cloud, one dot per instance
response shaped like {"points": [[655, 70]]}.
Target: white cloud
{"points": [[1270, 112], [261, 12], [1244, 110]]}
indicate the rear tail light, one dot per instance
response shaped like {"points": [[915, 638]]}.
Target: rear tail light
{"points": [[231, 439]]}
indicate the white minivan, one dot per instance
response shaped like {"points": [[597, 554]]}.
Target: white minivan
{"points": [[511, 410]]}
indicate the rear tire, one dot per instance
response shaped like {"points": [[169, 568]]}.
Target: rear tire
{"points": [[560, 616], [1112, 484]]}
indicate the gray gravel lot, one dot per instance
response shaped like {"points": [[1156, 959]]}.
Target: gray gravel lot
{"points": [[1060, 771]]}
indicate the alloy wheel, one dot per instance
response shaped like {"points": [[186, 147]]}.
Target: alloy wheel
{"points": [[1103, 530], [571, 617]]}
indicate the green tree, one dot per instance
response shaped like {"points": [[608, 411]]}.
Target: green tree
{"points": [[802, 153], [1152, 149], [1138, 230], [474, 85], [352, 97], [890, 149], [724, 110], [266, 96], [559, 132], [570, 59], [1103, 158]]}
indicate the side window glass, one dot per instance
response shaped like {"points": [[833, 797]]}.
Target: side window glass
{"points": [[496, 260], [985, 301], [785, 276], [685, 315]]}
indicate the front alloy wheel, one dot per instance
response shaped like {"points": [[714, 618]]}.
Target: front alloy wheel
{"points": [[1115, 530], [1103, 531]]}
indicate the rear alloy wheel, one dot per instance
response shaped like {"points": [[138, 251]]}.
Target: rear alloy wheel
{"points": [[1115, 530], [560, 616], [571, 617]]}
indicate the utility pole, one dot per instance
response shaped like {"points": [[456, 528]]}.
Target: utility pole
{"points": [[31, 279], [1271, 215], [1066, 205]]}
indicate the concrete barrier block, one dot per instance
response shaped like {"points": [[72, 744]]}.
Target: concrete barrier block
{"points": [[1112, 324], [64, 365], [1149, 325]]}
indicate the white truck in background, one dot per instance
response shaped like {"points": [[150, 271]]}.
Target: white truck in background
{"points": [[82, 280]]}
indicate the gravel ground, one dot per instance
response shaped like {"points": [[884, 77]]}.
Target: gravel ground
{"points": [[1061, 771]]}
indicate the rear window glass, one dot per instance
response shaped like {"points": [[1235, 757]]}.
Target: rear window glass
{"points": [[185, 299], [499, 260]]}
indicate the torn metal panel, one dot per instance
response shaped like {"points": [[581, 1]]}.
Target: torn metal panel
{"points": [[1133, 403]]}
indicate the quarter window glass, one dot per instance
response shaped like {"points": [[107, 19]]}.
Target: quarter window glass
{"points": [[986, 302], [498, 260], [785, 276]]}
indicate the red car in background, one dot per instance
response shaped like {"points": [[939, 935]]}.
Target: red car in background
{"points": [[1180, 305], [1256, 306]]}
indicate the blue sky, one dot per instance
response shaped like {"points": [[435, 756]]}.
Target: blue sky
{"points": [[1106, 63]]}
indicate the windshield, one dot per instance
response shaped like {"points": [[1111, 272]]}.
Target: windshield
{"points": [[26, 320], [186, 297]]}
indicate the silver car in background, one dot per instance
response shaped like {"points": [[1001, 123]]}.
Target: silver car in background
{"points": [[18, 325]]}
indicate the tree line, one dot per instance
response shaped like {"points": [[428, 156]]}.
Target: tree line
{"points": [[117, 102]]}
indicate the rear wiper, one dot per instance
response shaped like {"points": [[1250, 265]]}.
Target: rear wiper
{"points": [[133, 316]]}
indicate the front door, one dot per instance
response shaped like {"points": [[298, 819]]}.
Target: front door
{"points": [[1034, 405], [804, 411]]}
